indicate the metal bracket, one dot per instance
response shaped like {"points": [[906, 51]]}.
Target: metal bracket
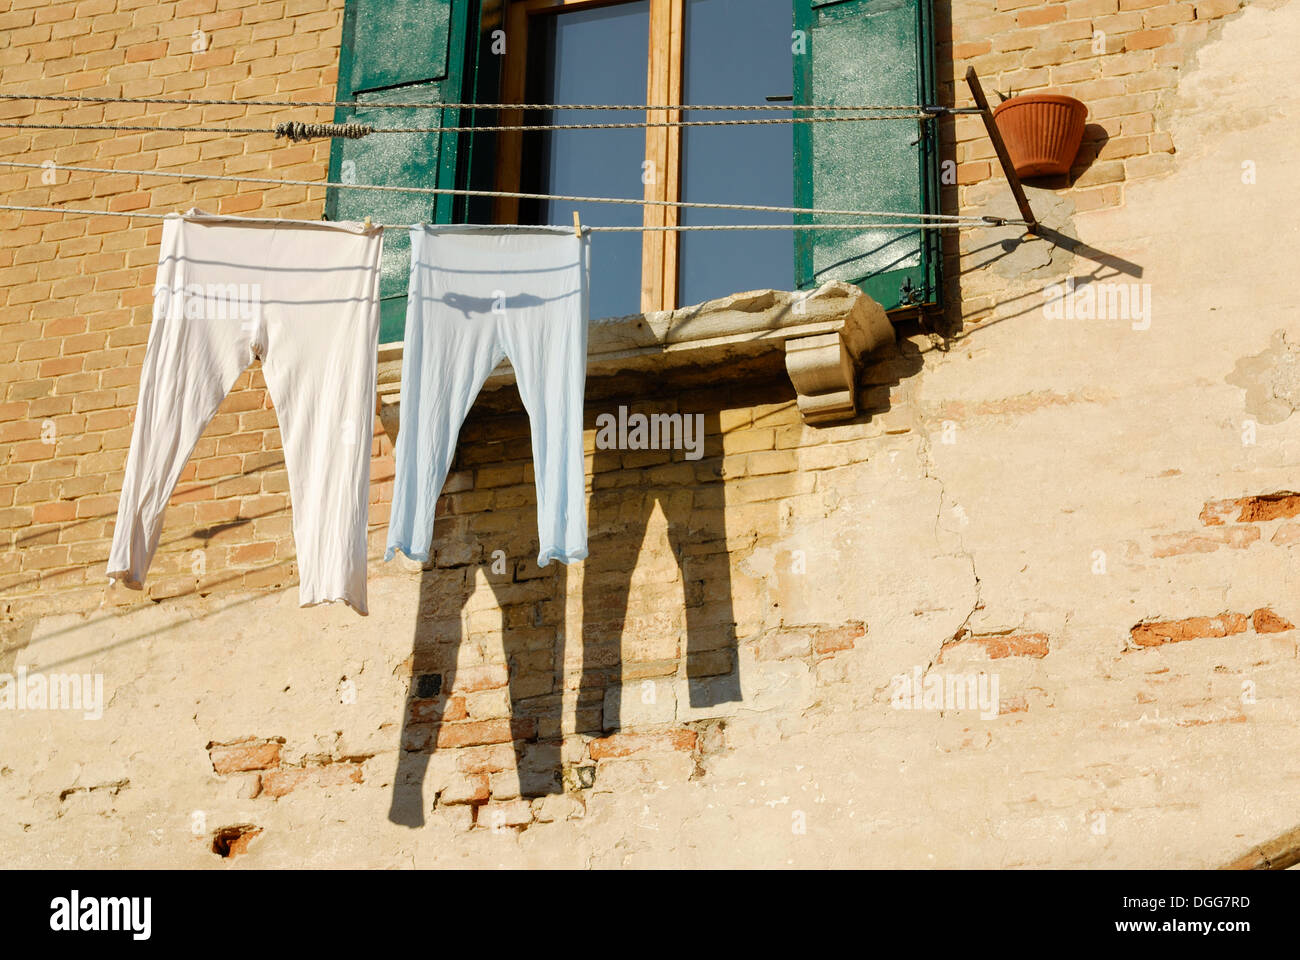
{"points": [[1000, 148]]}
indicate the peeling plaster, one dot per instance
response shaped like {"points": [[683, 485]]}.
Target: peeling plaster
{"points": [[1271, 380]]}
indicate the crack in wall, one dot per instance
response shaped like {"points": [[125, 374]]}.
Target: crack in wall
{"points": [[929, 469]]}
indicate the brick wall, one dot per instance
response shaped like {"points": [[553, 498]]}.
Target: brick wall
{"points": [[78, 294], [78, 291], [1120, 57], [77, 313]]}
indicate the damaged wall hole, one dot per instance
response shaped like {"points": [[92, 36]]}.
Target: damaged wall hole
{"points": [[232, 841], [1260, 508]]}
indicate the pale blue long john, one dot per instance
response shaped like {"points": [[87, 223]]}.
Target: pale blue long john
{"points": [[476, 297]]}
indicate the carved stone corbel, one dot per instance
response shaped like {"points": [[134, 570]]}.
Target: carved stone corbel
{"points": [[823, 366], [822, 371]]}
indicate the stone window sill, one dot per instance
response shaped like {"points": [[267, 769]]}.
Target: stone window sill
{"points": [[824, 335]]}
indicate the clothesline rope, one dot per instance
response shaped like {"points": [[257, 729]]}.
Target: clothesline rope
{"points": [[990, 222], [296, 130], [181, 101], [451, 191]]}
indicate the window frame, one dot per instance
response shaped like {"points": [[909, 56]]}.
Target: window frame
{"points": [[478, 159], [659, 248]]}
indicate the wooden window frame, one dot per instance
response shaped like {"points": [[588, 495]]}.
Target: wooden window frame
{"points": [[659, 248]]}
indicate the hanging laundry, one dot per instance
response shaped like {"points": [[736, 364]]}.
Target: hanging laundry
{"points": [[476, 297], [301, 296]]}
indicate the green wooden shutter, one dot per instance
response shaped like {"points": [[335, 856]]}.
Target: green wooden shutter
{"points": [[867, 52], [399, 51], [395, 42]]}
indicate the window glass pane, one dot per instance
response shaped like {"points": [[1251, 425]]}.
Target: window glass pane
{"points": [[736, 51], [595, 56]]}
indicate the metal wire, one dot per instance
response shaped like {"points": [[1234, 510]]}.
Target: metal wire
{"points": [[861, 227], [450, 191], [352, 131], [452, 106]]}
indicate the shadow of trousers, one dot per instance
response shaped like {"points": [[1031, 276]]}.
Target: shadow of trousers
{"points": [[442, 700], [691, 496]]}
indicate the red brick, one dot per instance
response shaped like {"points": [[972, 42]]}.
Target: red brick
{"points": [[1210, 9], [29, 451], [240, 204], [60, 366], [1192, 628], [466, 788], [1147, 39], [834, 639], [244, 755], [965, 51], [492, 758], [56, 512], [101, 506], [146, 51], [473, 679], [214, 511], [481, 732], [252, 553], [626, 744], [277, 783], [513, 813], [1266, 621], [1177, 544], [1167, 15], [439, 710], [1038, 16], [217, 467], [237, 839], [1258, 509], [973, 172], [999, 646]]}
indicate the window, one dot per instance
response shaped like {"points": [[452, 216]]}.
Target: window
{"points": [[568, 51], [736, 51], [659, 52]]}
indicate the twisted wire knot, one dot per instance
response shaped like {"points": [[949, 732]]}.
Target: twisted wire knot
{"points": [[295, 130]]}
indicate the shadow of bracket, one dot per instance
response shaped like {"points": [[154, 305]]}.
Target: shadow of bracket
{"points": [[1081, 249]]}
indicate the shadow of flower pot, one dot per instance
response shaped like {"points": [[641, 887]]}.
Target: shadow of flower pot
{"points": [[1094, 142]]}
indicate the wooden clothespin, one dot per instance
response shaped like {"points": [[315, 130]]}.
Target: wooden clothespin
{"points": [[577, 225], [367, 224]]}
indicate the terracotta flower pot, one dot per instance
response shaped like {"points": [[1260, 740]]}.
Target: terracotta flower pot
{"points": [[1042, 132]]}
